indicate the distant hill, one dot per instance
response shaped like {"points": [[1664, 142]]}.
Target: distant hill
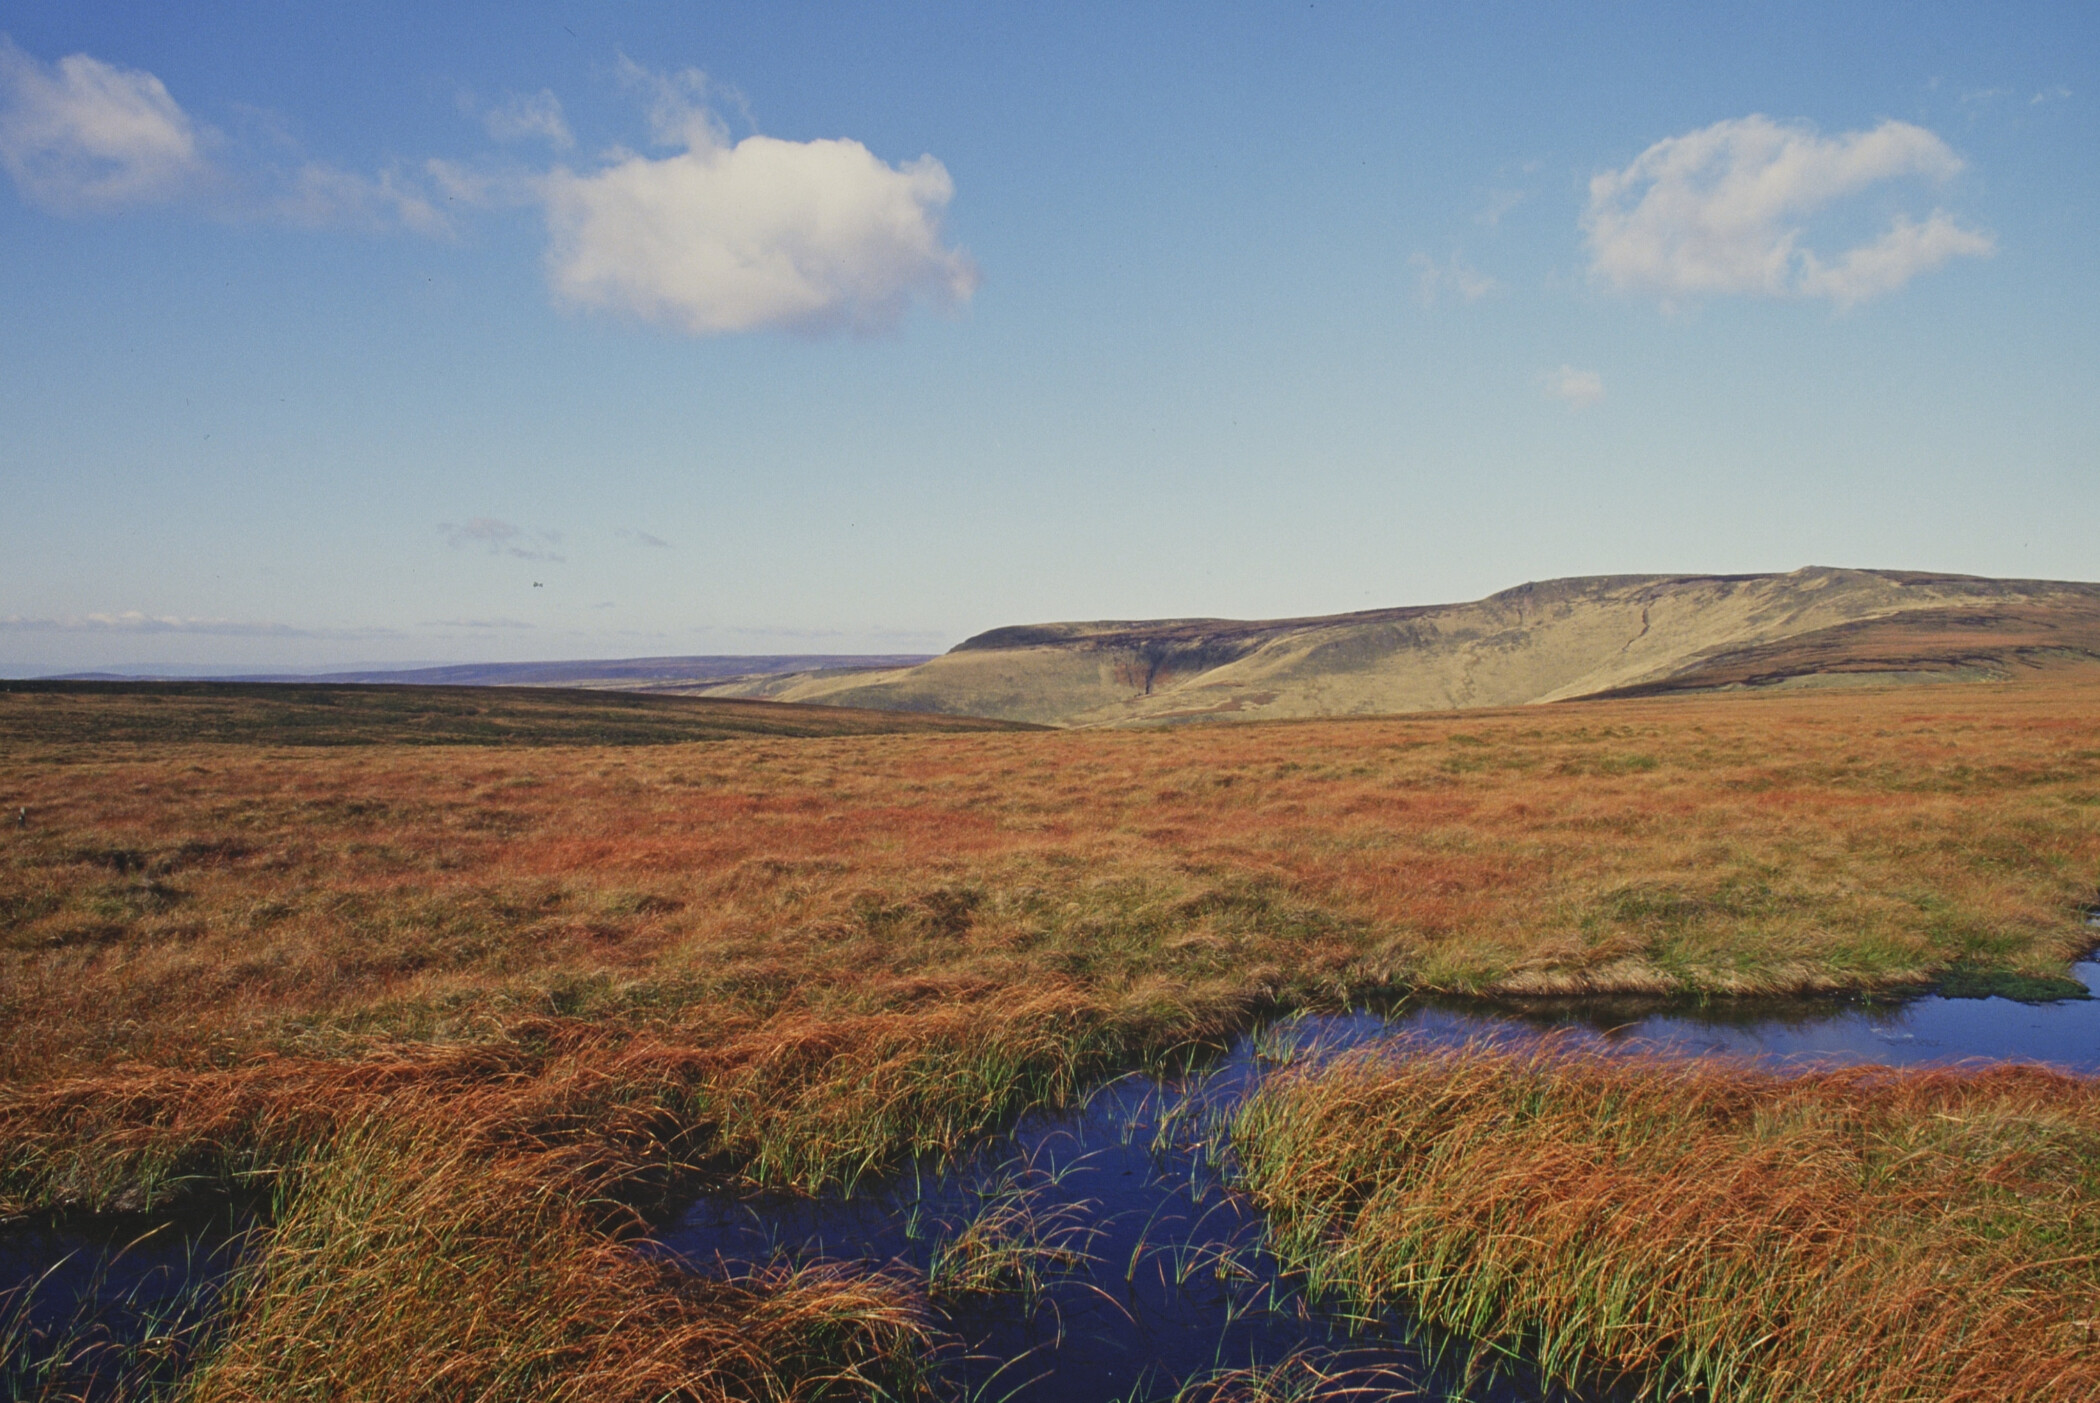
{"points": [[612, 674], [1550, 641]]}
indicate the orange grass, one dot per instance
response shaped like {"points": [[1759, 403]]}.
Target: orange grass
{"points": [[436, 1253], [478, 998], [195, 903], [1704, 1229]]}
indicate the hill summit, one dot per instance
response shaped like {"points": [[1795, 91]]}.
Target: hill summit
{"points": [[1541, 642]]}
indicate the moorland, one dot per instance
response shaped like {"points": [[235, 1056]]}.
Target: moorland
{"points": [[460, 995], [1547, 641]]}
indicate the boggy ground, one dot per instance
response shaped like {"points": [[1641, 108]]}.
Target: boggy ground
{"points": [[464, 1008], [1709, 1230]]}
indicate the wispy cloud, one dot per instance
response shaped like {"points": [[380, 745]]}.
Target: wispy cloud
{"points": [[1499, 203], [1723, 211], [1578, 389], [500, 537], [642, 538], [134, 621], [317, 195], [81, 136], [720, 237], [523, 116], [1454, 277], [1979, 99], [477, 625]]}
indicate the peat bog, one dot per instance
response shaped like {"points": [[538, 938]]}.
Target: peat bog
{"points": [[819, 1066]]}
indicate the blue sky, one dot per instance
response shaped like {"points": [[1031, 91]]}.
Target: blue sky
{"points": [[357, 334]]}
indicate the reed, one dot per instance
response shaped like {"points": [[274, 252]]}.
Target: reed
{"points": [[1702, 1229]]}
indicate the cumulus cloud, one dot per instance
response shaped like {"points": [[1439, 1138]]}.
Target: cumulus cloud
{"points": [[1723, 211], [83, 136], [1456, 277], [1578, 389], [500, 537], [722, 237], [522, 116]]}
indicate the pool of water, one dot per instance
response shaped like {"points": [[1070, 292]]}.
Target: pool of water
{"points": [[1132, 1271], [2064, 1033], [105, 1305], [1124, 1267], [1119, 1264]]}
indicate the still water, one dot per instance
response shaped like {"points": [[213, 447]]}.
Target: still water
{"points": [[98, 1305], [1130, 1270], [1148, 1273], [1924, 1031]]}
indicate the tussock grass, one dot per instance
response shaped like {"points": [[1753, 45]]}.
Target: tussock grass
{"points": [[460, 1008], [414, 1264], [1703, 1229]]}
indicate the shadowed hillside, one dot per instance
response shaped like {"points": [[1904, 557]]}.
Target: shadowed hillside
{"points": [[1538, 642]]}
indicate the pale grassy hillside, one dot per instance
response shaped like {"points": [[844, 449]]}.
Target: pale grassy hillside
{"points": [[1536, 643]]}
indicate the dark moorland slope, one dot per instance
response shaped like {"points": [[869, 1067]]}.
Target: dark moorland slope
{"points": [[273, 713]]}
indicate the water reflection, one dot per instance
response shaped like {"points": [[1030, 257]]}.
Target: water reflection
{"points": [[1133, 1271], [1121, 1266], [1921, 1031], [1124, 1266], [106, 1306]]}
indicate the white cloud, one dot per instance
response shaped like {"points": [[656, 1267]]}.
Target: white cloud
{"points": [[720, 237], [83, 136], [1892, 260], [1722, 211], [1579, 389], [642, 538], [525, 115], [1433, 279]]}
